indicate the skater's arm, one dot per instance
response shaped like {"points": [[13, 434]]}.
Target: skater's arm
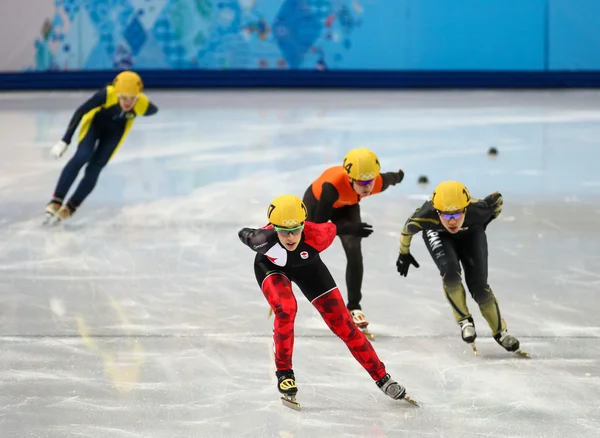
{"points": [[143, 106], [329, 195], [98, 99], [492, 207], [319, 236], [257, 239], [391, 179], [405, 239], [152, 109], [420, 220]]}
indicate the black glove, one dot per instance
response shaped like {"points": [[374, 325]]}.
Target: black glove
{"points": [[363, 230], [395, 177], [403, 263], [357, 230], [494, 201], [399, 176]]}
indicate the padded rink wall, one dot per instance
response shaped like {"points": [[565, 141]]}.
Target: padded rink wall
{"points": [[66, 44]]}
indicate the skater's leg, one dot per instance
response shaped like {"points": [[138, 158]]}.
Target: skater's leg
{"points": [[443, 252], [107, 145], [82, 156], [353, 250], [474, 257], [318, 286], [473, 253], [354, 270], [333, 311], [278, 291], [351, 244], [354, 258]]}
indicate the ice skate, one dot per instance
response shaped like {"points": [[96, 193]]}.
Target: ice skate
{"points": [[468, 333], [394, 390], [361, 322], [286, 384], [510, 343], [51, 210], [64, 213]]}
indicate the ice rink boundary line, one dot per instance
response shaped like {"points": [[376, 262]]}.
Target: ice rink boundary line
{"points": [[258, 336]]}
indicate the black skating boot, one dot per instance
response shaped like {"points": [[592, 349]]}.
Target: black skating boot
{"points": [[393, 389], [286, 385], [52, 209], [510, 343], [467, 329], [468, 333]]}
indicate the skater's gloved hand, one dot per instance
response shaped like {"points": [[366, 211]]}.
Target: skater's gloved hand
{"points": [[403, 263], [362, 230], [58, 149], [357, 230], [399, 177], [494, 201]]}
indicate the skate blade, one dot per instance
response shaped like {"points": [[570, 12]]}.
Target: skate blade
{"points": [[49, 219], [56, 222], [291, 402], [368, 334], [407, 399], [523, 354], [474, 347]]}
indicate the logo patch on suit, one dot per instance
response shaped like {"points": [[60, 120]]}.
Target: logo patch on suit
{"points": [[277, 255], [304, 255]]}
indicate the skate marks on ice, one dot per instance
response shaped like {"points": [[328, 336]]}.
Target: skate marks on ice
{"points": [[204, 337], [203, 369], [491, 395]]}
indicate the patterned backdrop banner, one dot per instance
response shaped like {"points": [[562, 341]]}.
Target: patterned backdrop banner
{"points": [[388, 35], [208, 34]]}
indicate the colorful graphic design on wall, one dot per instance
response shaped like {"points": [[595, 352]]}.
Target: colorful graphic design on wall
{"points": [[204, 34]]}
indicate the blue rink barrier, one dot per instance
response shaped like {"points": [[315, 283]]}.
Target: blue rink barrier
{"points": [[345, 79]]}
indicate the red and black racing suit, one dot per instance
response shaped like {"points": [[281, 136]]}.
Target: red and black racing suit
{"points": [[275, 268]]}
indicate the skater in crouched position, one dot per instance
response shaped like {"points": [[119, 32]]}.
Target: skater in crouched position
{"points": [[335, 196], [454, 230], [106, 119], [288, 251]]}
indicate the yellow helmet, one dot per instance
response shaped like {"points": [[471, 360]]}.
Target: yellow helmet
{"points": [[128, 84], [287, 211], [450, 196], [361, 164]]}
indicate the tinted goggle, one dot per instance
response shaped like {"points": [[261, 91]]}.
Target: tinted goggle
{"points": [[456, 215], [364, 183], [293, 231]]}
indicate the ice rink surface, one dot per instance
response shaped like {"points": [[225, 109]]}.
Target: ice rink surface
{"points": [[140, 317]]}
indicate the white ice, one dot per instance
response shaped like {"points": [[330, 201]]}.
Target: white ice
{"points": [[141, 317]]}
